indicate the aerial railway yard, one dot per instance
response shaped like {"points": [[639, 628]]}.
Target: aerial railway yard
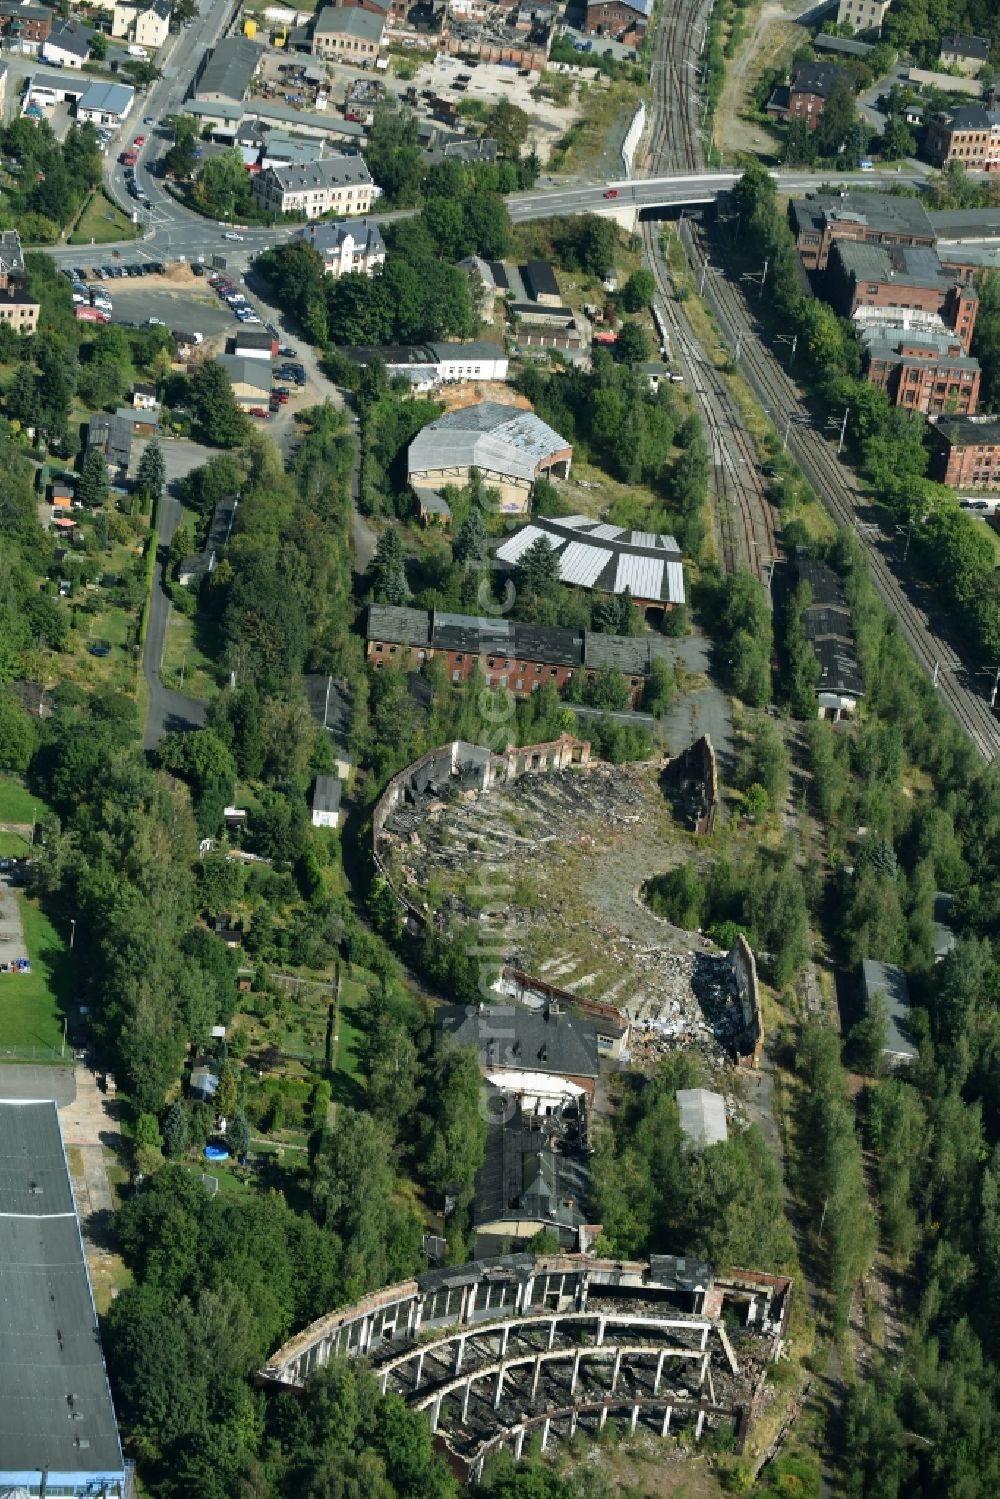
{"points": [[745, 520]]}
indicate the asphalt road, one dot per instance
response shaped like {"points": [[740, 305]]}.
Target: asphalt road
{"points": [[168, 712]]}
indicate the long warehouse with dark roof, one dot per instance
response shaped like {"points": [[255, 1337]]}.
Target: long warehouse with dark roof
{"points": [[58, 1433], [510, 447], [608, 559], [522, 657]]}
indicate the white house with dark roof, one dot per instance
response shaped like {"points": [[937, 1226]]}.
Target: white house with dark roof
{"points": [[351, 246], [67, 44], [341, 184]]}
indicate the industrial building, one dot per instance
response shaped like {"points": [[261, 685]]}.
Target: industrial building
{"points": [[521, 657], [250, 379], [58, 1433], [226, 72], [887, 982], [505, 1351], [922, 369], [625, 21], [348, 34], [607, 559], [826, 624], [818, 221], [433, 364], [509, 447], [899, 279], [965, 451]]}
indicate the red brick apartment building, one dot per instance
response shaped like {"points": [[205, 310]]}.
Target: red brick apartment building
{"points": [[970, 135], [510, 654], [804, 96], [901, 279], [965, 452], [929, 374], [820, 221], [26, 24]]}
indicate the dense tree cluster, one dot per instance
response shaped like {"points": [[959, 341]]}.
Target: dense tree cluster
{"points": [[49, 180], [656, 1195]]}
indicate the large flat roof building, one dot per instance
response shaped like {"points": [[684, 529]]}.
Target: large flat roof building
{"points": [[58, 1433], [510, 447], [608, 559], [874, 218], [226, 72]]}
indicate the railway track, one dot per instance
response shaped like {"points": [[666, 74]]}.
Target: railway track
{"points": [[746, 526], [674, 142], [838, 489], [744, 517]]}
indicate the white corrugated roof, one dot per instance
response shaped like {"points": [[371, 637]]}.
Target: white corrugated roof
{"points": [[521, 541], [643, 575], [606, 532], [675, 583], [502, 439], [576, 520], [582, 564]]}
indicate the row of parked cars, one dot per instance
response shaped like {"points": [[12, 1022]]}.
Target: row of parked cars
{"points": [[235, 300], [110, 272]]}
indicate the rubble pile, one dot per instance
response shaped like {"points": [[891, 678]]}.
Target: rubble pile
{"points": [[556, 833]]}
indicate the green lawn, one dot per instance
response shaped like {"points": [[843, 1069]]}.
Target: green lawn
{"points": [[101, 223], [17, 804], [32, 1004], [13, 846]]}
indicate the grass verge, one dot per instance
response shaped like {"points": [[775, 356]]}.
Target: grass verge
{"points": [[101, 223]]}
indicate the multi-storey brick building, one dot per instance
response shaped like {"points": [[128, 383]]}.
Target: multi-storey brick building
{"points": [[804, 96], [820, 221], [965, 451], [901, 279], [624, 20], [24, 27], [970, 135], [928, 372], [521, 657]]}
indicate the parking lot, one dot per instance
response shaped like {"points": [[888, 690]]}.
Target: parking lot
{"points": [[443, 77], [12, 944]]}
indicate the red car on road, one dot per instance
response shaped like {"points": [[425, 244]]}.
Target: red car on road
{"points": [[611, 192], [140, 140]]}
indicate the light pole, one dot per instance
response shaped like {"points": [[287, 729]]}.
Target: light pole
{"points": [[832, 422], [72, 932], [792, 419], [782, 338], [704, 273]]}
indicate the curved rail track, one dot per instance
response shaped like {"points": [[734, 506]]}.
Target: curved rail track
{"points": [[816, 454]]}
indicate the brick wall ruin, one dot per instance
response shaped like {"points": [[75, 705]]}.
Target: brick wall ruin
{"points": [[428, 782], [692, 779], [748, 991]]}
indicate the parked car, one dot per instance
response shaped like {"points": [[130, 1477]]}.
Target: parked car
{"points": [[259, 411]]}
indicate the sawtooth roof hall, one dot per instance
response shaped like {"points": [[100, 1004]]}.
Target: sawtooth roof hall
{"points": [[510, 447], [58, 1433], [608, 559]]}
